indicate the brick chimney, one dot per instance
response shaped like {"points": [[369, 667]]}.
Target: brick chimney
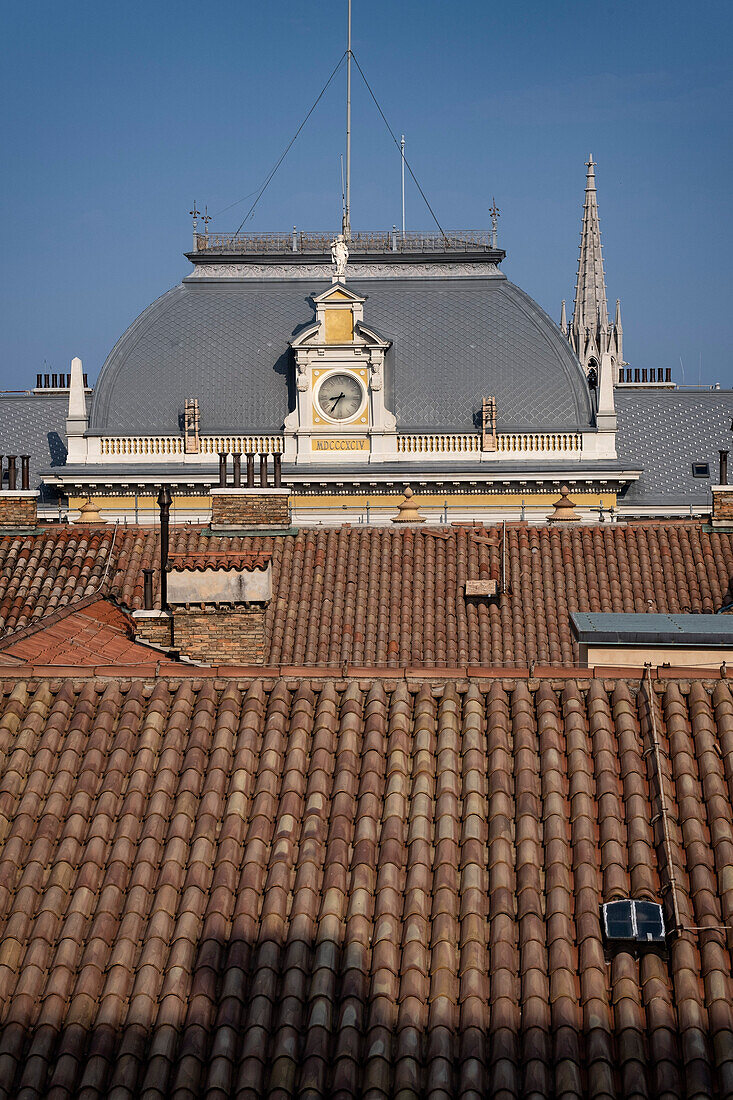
{"points": [[261, 503], [722, 515], [18, 503], [216, 604]]}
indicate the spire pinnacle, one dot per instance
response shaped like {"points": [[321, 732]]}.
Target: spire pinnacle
{"points": [[590, 333], [590, 310]]}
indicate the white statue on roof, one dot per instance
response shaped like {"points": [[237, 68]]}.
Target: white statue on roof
{"points": [[339, 255]]}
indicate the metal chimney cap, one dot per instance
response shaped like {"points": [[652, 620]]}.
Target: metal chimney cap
{"points": [[164, 496]]}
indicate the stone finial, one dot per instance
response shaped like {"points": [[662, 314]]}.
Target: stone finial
{"points": [[89, 513], [564, 509], [407, 509]]}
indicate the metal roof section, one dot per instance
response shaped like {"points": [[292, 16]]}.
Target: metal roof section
{"points": [[663, 432], [651, 629], [226, 343], [35, 424]]}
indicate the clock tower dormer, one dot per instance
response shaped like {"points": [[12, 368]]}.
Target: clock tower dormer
{"points": [[340, 414]]}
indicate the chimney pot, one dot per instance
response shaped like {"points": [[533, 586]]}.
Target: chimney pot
{"points": [[668, 375], [12, 472], [263, 470], [86, 381], [164, 503], [250, 469], [25, 473], [277, 473], [644, 374], [46, 382], [223, 455], [723, 467], [237, 463], [148, 589], [636, 374], [39, 379]]}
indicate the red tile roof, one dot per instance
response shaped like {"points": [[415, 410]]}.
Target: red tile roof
{"points": [[91, 632], [40, 573], [219, 889], [218, 559], [376, 596], [379, 596]]}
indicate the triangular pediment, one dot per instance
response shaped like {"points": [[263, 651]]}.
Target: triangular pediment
{"points": [[340, 293], [339, 322]]}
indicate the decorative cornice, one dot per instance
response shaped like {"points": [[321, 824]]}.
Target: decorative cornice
{"points": [[310, 271]]}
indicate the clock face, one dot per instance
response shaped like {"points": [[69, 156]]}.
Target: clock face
{"points": [[340, 396]]}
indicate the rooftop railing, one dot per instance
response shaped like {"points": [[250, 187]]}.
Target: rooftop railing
{"points": [[318, 243]]}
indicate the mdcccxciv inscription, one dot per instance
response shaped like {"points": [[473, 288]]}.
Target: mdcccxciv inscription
{"points": [[340, 444]]}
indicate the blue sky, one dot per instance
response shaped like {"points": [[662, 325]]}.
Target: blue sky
{"points": [[117, 116]]}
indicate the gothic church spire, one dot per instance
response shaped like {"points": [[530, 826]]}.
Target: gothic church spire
{"points": [[591, 335], [591, 307]]}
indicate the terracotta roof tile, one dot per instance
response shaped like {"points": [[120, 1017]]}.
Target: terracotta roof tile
{"points": [[91, 631], [380, 597], [207, 888], [218, 559]]}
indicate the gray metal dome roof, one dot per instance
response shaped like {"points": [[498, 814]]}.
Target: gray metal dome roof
{"points": [[454, 341]]}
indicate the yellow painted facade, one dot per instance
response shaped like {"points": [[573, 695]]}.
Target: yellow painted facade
{"points": [[534, 502], [537, 505]]}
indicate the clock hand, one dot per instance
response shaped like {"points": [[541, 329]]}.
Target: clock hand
{"points": [[336, 401]]}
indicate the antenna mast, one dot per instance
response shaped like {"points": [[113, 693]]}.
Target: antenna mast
{"points": [[346, 225], [343, 200]]}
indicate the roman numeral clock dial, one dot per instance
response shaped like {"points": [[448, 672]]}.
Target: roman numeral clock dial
{"points": [[340, 396]]}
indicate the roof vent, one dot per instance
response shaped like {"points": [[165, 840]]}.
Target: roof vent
{"points": [[487, 586], [640, 921]]}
